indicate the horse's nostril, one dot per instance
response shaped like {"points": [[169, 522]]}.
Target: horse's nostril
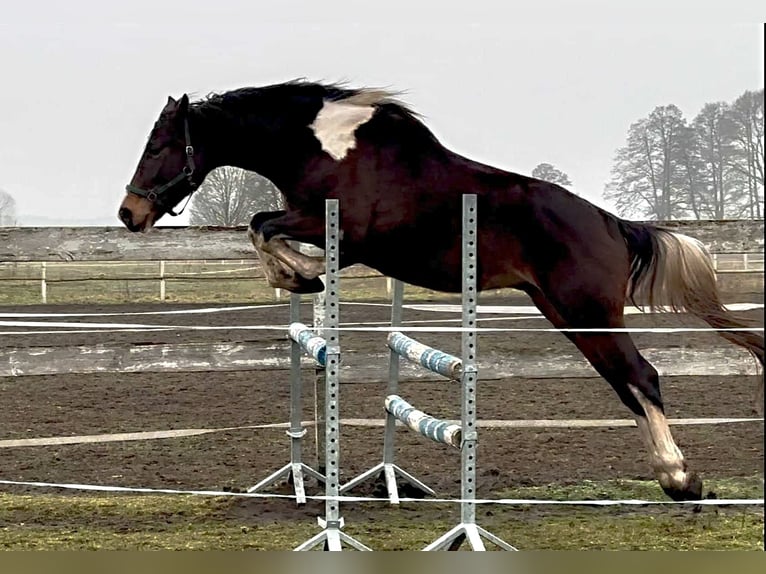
{"points": [[125, 215]]}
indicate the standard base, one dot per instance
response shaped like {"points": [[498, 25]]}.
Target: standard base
{"points": [[471, 532], [333, 538], [292, 472], [390, 472]]}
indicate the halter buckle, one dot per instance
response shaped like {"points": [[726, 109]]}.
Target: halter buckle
{"points": [[151, 196]]}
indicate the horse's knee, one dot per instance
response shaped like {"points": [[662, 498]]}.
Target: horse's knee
{"points": [[255, 239], [257, 221]]}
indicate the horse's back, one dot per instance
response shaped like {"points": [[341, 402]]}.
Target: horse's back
{"points": [[406, 223]]}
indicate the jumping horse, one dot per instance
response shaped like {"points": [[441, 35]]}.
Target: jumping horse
{"points": [[400, 197]]}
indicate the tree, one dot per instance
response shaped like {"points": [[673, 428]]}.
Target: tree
{"points": [[712, 168], [746, 119], [692, 168], [231, 196], [7, 209], [720, 192], [547, 172], [648, 176]]}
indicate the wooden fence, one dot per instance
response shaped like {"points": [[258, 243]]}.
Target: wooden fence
{"points": [[19, 245], [180, 256], [216, 243]]}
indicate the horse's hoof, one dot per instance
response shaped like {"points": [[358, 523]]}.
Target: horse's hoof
{"points": [[690, 490], [303, 286]]}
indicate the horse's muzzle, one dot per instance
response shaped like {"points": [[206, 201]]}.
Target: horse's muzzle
{"points": [[126, 216]]}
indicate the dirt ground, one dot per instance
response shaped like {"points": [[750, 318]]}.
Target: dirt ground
{"points": [[77, 404]]}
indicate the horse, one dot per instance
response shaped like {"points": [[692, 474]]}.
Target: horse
{"points": [[400, 192]]}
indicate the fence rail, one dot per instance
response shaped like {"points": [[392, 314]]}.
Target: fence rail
{"points": [[131, 262], [216, 243]]}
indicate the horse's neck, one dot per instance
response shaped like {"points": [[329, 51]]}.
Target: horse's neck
{"points": [[228, 141]]}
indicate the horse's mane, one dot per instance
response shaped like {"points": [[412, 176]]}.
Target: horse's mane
{"points": [[296, 104], [301, 90]]}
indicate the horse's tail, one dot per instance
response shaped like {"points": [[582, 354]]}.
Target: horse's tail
{"points": [[675, 271]]}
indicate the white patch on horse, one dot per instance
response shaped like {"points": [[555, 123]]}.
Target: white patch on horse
{"points": [[336, 124]]}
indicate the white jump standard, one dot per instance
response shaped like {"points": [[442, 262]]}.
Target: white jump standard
{"points": [[332, 536], [388, 469], [301, 338]]}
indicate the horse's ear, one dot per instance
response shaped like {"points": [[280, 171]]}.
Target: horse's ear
{"points": [[183, 105], [171, 105]]}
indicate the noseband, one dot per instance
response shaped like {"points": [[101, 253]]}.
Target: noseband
{"points": [[155, 195]]}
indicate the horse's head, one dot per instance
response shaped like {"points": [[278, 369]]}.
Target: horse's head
{"points": [[166, 172]]}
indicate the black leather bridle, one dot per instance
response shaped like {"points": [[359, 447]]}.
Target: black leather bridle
{"points": [[155, 195]]}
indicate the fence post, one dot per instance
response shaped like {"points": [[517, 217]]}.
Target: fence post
{"points": [[162, 280], [43, 284]]}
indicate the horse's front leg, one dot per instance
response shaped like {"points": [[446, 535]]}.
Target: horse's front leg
{"points": [[278, 274], [269, 232]]}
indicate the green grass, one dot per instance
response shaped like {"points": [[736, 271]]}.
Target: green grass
{"points": [[141, 522], [748, 487], [190, 282]]}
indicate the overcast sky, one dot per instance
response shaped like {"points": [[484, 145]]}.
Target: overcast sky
{"points": [[509, 83]]}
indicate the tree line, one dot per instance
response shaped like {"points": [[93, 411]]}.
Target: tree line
{"points": [[711, 167]]}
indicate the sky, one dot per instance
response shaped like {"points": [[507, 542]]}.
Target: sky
{"points": [[508, 83]]}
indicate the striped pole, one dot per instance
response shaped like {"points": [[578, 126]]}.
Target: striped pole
{"points": [[432, 359], [311, 343], [430, 427]]}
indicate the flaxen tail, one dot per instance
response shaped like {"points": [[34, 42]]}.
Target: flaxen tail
{"points": [[671, 271]]}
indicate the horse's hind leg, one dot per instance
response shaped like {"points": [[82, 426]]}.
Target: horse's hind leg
{"points": [[616, 358]]}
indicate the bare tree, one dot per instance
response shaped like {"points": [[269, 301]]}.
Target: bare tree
{"points": [[719, 195], [7, 209], [746, 117], [547, 172], [712, 168], [648, 175], [231, 196]]}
